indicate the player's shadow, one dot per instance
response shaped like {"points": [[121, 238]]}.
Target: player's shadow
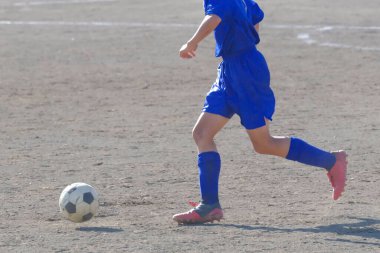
{"points": [[100, 229], [365, 228]]}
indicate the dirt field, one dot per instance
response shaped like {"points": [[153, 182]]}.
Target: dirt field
{"points": [[94, 91]]}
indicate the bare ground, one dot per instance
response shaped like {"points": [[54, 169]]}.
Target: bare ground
{"points": [[111, 104]]}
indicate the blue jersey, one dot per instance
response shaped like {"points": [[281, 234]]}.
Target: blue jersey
{"points": [[236, 33]]}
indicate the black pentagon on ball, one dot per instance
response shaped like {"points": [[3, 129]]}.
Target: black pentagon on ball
{"points": [[88, 198], [87, 217], [70, 208]]}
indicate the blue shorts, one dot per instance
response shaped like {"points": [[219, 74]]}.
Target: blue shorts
{"points": [[242, 87]]}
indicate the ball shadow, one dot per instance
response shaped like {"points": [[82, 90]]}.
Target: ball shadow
{"points": [[100, 229]]}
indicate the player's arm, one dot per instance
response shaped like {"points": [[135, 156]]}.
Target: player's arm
{"points": [[209, 23]]}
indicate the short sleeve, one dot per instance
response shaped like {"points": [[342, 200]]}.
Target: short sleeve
{"points": [[255, 12], [215, 7]]}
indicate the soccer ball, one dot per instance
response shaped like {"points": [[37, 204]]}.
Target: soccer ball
{"points": [[79, 202]]}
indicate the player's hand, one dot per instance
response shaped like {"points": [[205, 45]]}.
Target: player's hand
{"points": [[187, 51]]}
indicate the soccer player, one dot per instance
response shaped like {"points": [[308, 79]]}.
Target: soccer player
{"points": [[242, 87]]}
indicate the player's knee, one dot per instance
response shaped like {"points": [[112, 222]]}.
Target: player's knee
{"points": [[200, 136]]}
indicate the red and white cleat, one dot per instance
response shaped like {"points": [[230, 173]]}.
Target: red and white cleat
{"points": [[337, 175], [193, 217]]}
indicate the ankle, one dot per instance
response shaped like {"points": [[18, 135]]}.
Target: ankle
{"points": [[203, 209]]}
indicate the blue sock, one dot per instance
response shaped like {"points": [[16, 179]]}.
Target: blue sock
{"points": [[303, 152], [209, 168]]}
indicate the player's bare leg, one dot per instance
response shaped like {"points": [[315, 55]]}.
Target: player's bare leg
{"points": [[264, 143], [209, 210], [334, 162], [204, 131]]}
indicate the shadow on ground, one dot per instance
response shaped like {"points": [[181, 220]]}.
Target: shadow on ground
{"points": [[100, 229], [363, 227]]}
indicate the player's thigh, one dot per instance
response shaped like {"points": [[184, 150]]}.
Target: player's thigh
{"points": [[260, 136], [208, 125]]}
